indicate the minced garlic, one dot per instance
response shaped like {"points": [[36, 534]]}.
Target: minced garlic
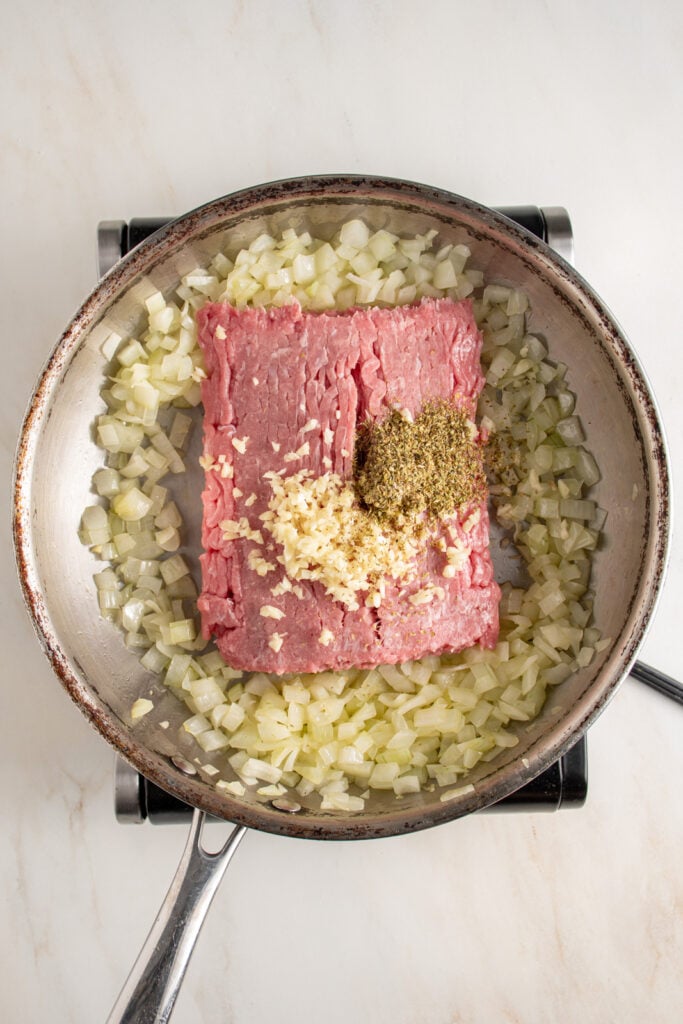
{"points": [[225, 468], [240, 444], [326, 537], [232, 529], [427, 595], [283, 587], [305, 449], [276, 641], [457, 555], [269, 611], [258, 564], [471, 521]]}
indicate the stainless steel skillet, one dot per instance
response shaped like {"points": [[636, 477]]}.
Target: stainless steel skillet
{"points": [[57, 457]]}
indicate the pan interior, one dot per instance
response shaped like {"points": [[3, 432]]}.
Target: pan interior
{"points": [[58, 457]]}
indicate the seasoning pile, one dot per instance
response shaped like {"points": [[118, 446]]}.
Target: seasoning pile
{"points": [[430, 464]]}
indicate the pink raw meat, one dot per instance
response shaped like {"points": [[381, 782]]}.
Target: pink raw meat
{"points": [[271, 372]]}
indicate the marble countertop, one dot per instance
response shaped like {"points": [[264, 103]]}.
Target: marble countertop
{"points": [[127, 109]]}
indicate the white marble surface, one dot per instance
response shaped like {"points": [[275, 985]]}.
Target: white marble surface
{"points": [[124, 109]]}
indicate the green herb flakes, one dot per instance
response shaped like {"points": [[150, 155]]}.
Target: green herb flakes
{"points": [[431, 464]]}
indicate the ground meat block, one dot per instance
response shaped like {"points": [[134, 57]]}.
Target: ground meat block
{"points": [[281, 381]]}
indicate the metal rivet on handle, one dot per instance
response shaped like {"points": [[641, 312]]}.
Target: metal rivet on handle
{"points": [[183, 764], [283, 804]]}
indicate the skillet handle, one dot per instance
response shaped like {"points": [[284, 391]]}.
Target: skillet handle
{"points": [[658, 681], [151, 989]]}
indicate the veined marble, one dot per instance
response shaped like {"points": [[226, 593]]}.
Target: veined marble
{"points": [[128, 109]]}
